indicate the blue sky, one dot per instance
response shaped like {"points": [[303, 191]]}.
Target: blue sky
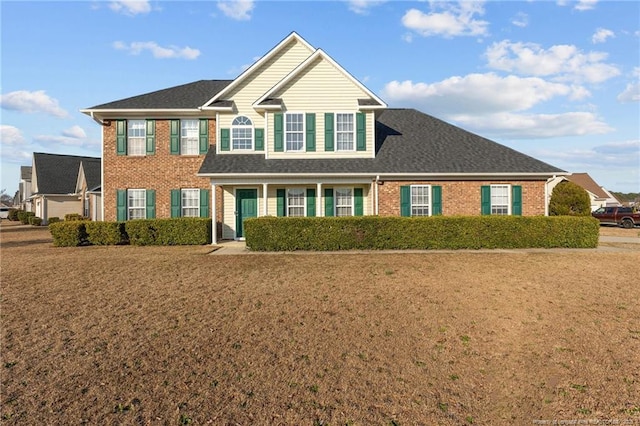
{"points": [[558, 80]]}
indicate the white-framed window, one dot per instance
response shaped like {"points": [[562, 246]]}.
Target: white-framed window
{"points": [[136, 204], [344, 201], [420, 200], [190, 202], [189, 137], [294, 131], [345, 132], [500, 199], [241, 133], [136, 137], [295, 202]]}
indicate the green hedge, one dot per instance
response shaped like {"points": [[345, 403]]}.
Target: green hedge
{"points": [[106, 233], [169, 232], [13, 214], [23, 216], [35, 220], [69, 234], [438, 232]]}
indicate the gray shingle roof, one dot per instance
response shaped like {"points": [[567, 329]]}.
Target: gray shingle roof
{"points": [[58, 174], [408, 141], [25, 173], [185, 96], [92, 173]]}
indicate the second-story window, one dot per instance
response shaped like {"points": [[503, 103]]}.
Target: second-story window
{"points": [[242, 133], [345, 132], [294, 132], [189, 144], [136, 137]]}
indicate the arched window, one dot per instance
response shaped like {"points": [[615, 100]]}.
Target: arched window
{"points": [[241, 133]]}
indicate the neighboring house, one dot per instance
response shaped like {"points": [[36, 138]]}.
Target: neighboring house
{"points": [[55, 183], [599, 196], [89, 188], [23, 200], [297, 135]]}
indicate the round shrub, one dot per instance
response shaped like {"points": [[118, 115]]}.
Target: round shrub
{"points": [[569, 199], [54, 220], [35, 221], [13, 214]]}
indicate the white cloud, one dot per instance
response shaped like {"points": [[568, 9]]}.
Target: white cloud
{"points": [[11, 154], [137, 47], [601, 35], [616, 155], [130, 7], [520, 20], [632, 92], [585, 5], [535, 126], [239, 10], [10, 135], [562, 62], [447, 20], [32, 102], [75, 132], [362, 7], [477, 94]]}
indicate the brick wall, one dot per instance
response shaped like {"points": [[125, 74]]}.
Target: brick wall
{"points": [[462, 197], [160, 171]]}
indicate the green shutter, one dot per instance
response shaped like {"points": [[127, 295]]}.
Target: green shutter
{"points": [[485, 199], [259, 139], [151, 136], [405, 201], [361, 131], [311, 132], [121, 205], [121, 138], [280, 202], [151, 203], [328, 131], [436, 200], [174, 137], [204, 135], [224, 139], [328, 202], [358, 207], [516, 200], [176, 203], [311, 202], [204, 203], [278, 132]]}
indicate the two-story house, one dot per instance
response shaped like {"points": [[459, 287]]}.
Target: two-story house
{"points": [[297, 135]]}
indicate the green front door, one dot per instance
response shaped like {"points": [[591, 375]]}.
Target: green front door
{"points": [[246, 206]]}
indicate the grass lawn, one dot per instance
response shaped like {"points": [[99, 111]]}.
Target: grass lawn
{"points": [[172, 335]]}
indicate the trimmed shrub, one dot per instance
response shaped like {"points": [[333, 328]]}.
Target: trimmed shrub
{"points": [[53, 220], [69, 233], [177, 231], [35, 221], [13, 214], [438, 232], [106, 233], [569, 199], [23, 216], [74, 216]]}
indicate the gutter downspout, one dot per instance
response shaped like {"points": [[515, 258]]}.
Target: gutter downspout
{"points": [[377, 200], [547, 195], [97, 120]]}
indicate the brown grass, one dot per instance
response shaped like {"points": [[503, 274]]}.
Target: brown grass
{"points": [[154, 335]]}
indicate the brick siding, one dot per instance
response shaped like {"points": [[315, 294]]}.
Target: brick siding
{"points": [[462, 197], [160, 171]]}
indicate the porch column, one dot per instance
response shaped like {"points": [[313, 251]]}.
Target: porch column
{"points": [[214, 216], [265, 198], [320, 200]]}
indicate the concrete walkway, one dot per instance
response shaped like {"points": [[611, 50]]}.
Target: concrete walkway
{"points": [[239, 247]]}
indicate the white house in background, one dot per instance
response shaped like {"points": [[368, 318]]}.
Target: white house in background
{"points": [[599, 196]]}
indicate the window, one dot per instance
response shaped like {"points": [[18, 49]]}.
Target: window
{"points": [[242, 133], [344, 201], [500, 199], [190, 202], [420, 200], [345, 132], [189, 142], [136, 204], [294, 132], [136, 137], [295, 202]]}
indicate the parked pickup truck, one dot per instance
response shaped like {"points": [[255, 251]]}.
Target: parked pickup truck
{"points": [[623, 216]]}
